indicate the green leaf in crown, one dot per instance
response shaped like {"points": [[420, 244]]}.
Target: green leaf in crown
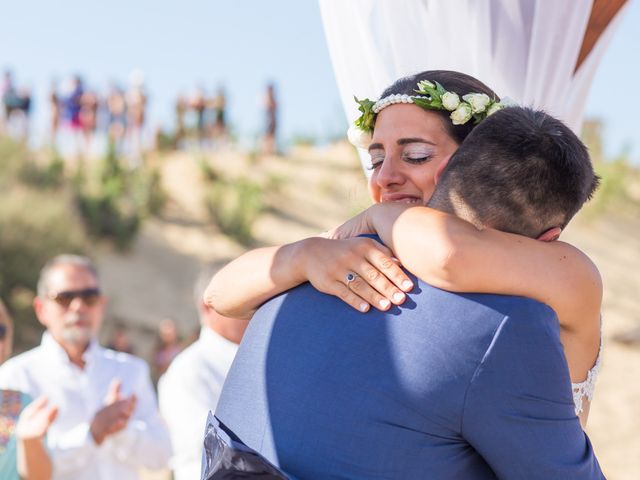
{"points": [[430, 95], [367, 120]]}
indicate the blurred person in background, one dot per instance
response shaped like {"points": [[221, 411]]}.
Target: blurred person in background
{"points": [[218, 106], [7, 91], [120, 340], [198, 105], [167, 346], [180, 130], [88, 117], [136, 100], [17, 108], [71, 105], [23, 111], [23, 425], [54, 114], [271, 111], [117, 116], [108, 424], [192, 384]]}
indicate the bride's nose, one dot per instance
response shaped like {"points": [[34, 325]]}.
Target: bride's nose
{"points": [[389, 174]]}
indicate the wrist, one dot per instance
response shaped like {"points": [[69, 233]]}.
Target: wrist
{"points": [[29, 440], [299, 254], [97, 436], [287, 271]]}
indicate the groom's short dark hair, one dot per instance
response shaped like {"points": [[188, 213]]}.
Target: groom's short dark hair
{"points": [[521, 171]]}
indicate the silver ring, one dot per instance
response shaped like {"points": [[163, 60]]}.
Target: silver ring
{"points": [[350, 277]]}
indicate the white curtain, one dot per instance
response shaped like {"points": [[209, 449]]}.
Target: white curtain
{"points": [[522, 49]]}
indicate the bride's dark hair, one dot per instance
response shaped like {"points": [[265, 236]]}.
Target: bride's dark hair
{"points": [[457, 82]]}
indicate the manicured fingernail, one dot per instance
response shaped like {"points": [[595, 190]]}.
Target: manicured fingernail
{"points": [[398, 297], [384, 303], [364, 307], [407, 285]]}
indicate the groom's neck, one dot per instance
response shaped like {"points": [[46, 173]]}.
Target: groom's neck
{"points": [[451, 202]]}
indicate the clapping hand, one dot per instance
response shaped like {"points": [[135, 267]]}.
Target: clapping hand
{"points": [[35, 419], [115, 415]]}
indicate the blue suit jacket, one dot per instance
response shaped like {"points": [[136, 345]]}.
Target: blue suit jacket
{"points": [[447, 386]]}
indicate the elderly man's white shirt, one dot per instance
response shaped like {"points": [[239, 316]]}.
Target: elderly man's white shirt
{"points": [[187, 391], [79, 394]]}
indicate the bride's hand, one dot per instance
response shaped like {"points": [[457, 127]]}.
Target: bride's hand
{"points": [[378, 282], [367, 221], [358, 225]]}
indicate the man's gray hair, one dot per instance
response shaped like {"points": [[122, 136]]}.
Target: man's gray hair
{"points": [[63, 259]]}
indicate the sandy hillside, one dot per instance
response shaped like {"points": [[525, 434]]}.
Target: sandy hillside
{"points": [[317, 189]]}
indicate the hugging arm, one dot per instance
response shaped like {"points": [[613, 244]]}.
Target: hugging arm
{"points": [[243, 285], [452, 254], [519, 412]]}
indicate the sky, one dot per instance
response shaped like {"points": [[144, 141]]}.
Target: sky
{"points": [[241, 44]]}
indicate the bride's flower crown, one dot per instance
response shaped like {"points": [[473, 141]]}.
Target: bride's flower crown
{"points": [[430, 96]]}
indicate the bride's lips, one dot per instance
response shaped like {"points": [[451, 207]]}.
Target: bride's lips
{"points": [[400, 198]]}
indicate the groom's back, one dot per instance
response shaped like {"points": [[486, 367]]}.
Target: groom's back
{"points": [[325, 391]]}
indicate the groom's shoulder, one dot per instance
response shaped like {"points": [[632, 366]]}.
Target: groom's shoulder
{"points": [[484, 312]]}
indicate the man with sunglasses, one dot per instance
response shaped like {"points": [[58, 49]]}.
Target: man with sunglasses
{"points": [[108, 424]]}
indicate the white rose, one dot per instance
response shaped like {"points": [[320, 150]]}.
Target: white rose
{"points": [[461, 115], [424, 84], [450, 101], [358, 138], [494, 108], [478, 101]]}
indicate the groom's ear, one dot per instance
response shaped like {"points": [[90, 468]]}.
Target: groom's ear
{"points": [[550, 235], [440, 169]]}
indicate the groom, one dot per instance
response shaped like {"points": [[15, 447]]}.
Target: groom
{"points": [[447, 385]]}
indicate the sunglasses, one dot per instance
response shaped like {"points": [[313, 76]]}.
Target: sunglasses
{"points": [[90, 296]]}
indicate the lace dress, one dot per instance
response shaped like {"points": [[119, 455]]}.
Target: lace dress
{"points": [[586, 388]]}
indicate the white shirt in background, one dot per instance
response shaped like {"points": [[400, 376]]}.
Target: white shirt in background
{"points": [[187, 391], [79, 394]]}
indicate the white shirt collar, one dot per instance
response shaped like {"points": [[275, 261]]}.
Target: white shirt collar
{"points": [[51, 345], [216, 342]]}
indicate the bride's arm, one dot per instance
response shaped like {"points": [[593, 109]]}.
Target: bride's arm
{"points": [[452, 254], [239, 288]]}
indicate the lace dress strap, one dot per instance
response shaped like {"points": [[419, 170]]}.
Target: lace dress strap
{"points": [[586, 388]]}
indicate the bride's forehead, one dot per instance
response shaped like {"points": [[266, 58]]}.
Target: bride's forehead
{"points": [[406, 119]]}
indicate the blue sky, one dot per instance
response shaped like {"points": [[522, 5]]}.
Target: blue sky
{"points": [[241, 44]]}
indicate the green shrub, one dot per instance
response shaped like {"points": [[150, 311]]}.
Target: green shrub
{"points": [[235, 206], [51, 175], [114, 201], [209, 173]]}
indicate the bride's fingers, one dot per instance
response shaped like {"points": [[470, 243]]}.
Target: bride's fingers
{"points": [[382, 260], [361, 287], [348, 296]]}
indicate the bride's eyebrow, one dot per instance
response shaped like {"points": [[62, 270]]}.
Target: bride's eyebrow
{"points": [[405, 141], [375, 146]]}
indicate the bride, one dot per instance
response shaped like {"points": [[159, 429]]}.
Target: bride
{"points": [[413, 139]]}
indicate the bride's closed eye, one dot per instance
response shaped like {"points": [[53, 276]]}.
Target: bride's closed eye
{"points": [[417, 155], [416, 160], [376, 160]]}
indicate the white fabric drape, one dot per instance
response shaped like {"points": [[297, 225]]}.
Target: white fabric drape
{"points": [[522, 49]]}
